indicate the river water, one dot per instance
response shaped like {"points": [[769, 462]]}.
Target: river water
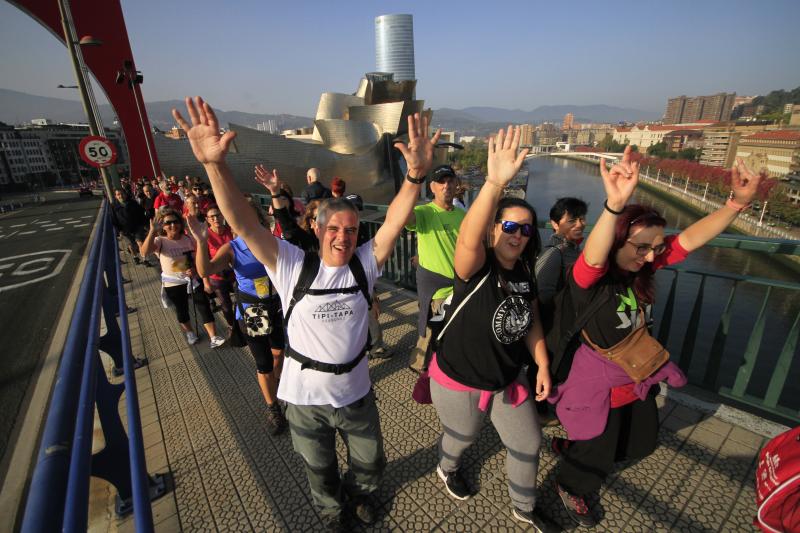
{"points": [[551, 178]]}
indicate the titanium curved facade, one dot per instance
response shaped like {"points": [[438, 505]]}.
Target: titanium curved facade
{"points": [[390, 118], [367, 173], [347, 136], [394, 46], [334, 106]]}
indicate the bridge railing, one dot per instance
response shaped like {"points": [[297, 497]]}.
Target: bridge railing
{"points": [[58, 497], [709, 360]]}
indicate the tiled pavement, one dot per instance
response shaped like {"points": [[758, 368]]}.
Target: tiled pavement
{"points": [[203, 421]]}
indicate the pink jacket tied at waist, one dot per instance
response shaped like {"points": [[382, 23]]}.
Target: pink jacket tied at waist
{"points": [[583, 401], [516, 392]]}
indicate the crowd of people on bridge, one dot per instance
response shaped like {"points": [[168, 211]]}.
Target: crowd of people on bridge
{"points": [[509, 327]]}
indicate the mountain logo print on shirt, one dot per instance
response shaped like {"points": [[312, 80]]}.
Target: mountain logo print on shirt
{"points": [[332, 312], [512, 319]]}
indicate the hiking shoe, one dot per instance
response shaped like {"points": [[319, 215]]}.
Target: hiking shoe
{"points": [[191, 338], [217, 341], [540, 522], [576, 508], [333, 524], [276, 422], [558, 445], [364, 510], [455, 484], [379, 353]]}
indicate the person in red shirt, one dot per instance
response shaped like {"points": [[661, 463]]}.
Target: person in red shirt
{"points": [[618, 264], [168, 199], [219, 284]]}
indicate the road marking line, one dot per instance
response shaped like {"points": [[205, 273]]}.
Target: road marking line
{"points": [[65, 219], [17, 225], [26, 232], [54, 229], [80, 225], [25, 268], [88, 216]]}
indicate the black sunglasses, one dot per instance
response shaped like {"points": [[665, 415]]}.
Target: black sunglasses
{"points": [[512, 227], [171, 222]]}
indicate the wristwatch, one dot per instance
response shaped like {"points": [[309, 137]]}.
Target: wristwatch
{"points": [[415, 181]]}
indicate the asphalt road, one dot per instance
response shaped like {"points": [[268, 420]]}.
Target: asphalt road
{"points": [[40, 248]]}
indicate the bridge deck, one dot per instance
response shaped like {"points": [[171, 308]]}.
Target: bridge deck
{"points": [[203, 420]]}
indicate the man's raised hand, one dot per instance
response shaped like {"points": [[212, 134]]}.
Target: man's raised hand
{"points": [[621, 180], [207, 143], [504, 158], [269, 180], [418, 153]]}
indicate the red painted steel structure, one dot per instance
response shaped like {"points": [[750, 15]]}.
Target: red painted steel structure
{"points": [[103, 20]]}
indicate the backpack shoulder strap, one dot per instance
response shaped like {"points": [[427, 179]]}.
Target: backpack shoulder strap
{"points": [[308, 272], [357, 269], [461, 305], [580, 321]]}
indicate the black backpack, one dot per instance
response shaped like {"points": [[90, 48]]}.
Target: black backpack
{"points": [[562, 338], [308, 272]]}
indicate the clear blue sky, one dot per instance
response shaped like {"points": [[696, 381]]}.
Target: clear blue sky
{"points": [[271, 57]]}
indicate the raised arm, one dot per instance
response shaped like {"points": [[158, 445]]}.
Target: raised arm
{"points": [[503, 164], [149, 245], [619, 183], [745, 185], [205, 265], [210, 149], [418, 154], [271, 182]]}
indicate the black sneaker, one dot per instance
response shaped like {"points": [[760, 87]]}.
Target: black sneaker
{"points": [[137, 260], [333, 524], [540, 522], [576, 508], [455, 484], [276, 422], [364, 510]]}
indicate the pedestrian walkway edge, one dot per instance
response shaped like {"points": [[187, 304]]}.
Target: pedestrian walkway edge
{"points": [[20, 456]]}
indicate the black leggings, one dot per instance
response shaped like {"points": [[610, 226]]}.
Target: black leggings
{"points": [[222, 289], [631, 433], [180, 299]]}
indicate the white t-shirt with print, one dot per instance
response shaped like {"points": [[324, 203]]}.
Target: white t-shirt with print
{"points": [[328, 328]]}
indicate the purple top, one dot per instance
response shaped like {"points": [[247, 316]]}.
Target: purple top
{"points": [[583, 400]]}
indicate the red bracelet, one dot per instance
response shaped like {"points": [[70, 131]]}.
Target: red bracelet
{"points": [[736, 206]]}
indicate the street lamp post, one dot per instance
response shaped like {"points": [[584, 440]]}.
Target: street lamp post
{"points": [[87, 97]]}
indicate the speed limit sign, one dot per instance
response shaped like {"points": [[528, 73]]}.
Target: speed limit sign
{"points": [[97, 151]]}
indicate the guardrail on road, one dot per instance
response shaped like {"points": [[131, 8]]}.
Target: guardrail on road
{"points": [[58, 498]]}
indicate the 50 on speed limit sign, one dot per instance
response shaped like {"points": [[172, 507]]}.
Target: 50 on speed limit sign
{"points": [[97, 151]]}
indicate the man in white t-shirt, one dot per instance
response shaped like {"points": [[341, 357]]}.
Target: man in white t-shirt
{"points": [[325, 331]]}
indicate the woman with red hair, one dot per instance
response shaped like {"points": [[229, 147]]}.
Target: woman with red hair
{"points": [[614, 417]]}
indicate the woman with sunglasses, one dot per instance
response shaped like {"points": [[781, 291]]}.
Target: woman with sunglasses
{"points": [[624, 250], [256, 299], [219, 283], [491, 331], [174, 250]]}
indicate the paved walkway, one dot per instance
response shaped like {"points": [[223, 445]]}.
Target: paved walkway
{"points": [[203, 421]]}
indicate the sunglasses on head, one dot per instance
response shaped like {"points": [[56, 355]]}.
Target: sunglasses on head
{"points": [[511, 228]]}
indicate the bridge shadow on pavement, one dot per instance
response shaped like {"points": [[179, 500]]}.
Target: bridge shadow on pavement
{"points": [[204, 421]]}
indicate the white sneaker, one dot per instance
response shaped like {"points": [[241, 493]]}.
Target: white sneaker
{"points": [[191, 338], [217, 341]]}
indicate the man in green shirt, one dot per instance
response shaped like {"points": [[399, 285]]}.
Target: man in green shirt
{"points": [[437, 224]]}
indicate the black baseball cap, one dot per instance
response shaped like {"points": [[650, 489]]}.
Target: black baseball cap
{"points": [[441, 172]]}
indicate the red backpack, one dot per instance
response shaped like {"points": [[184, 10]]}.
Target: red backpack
{"points": [[778, 484]]}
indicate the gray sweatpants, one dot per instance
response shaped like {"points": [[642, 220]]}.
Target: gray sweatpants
{"points": [[518, 428]]}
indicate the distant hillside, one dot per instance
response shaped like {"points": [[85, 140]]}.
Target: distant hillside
{"points": [[555, 113], [19, 108], [775, 100]]}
